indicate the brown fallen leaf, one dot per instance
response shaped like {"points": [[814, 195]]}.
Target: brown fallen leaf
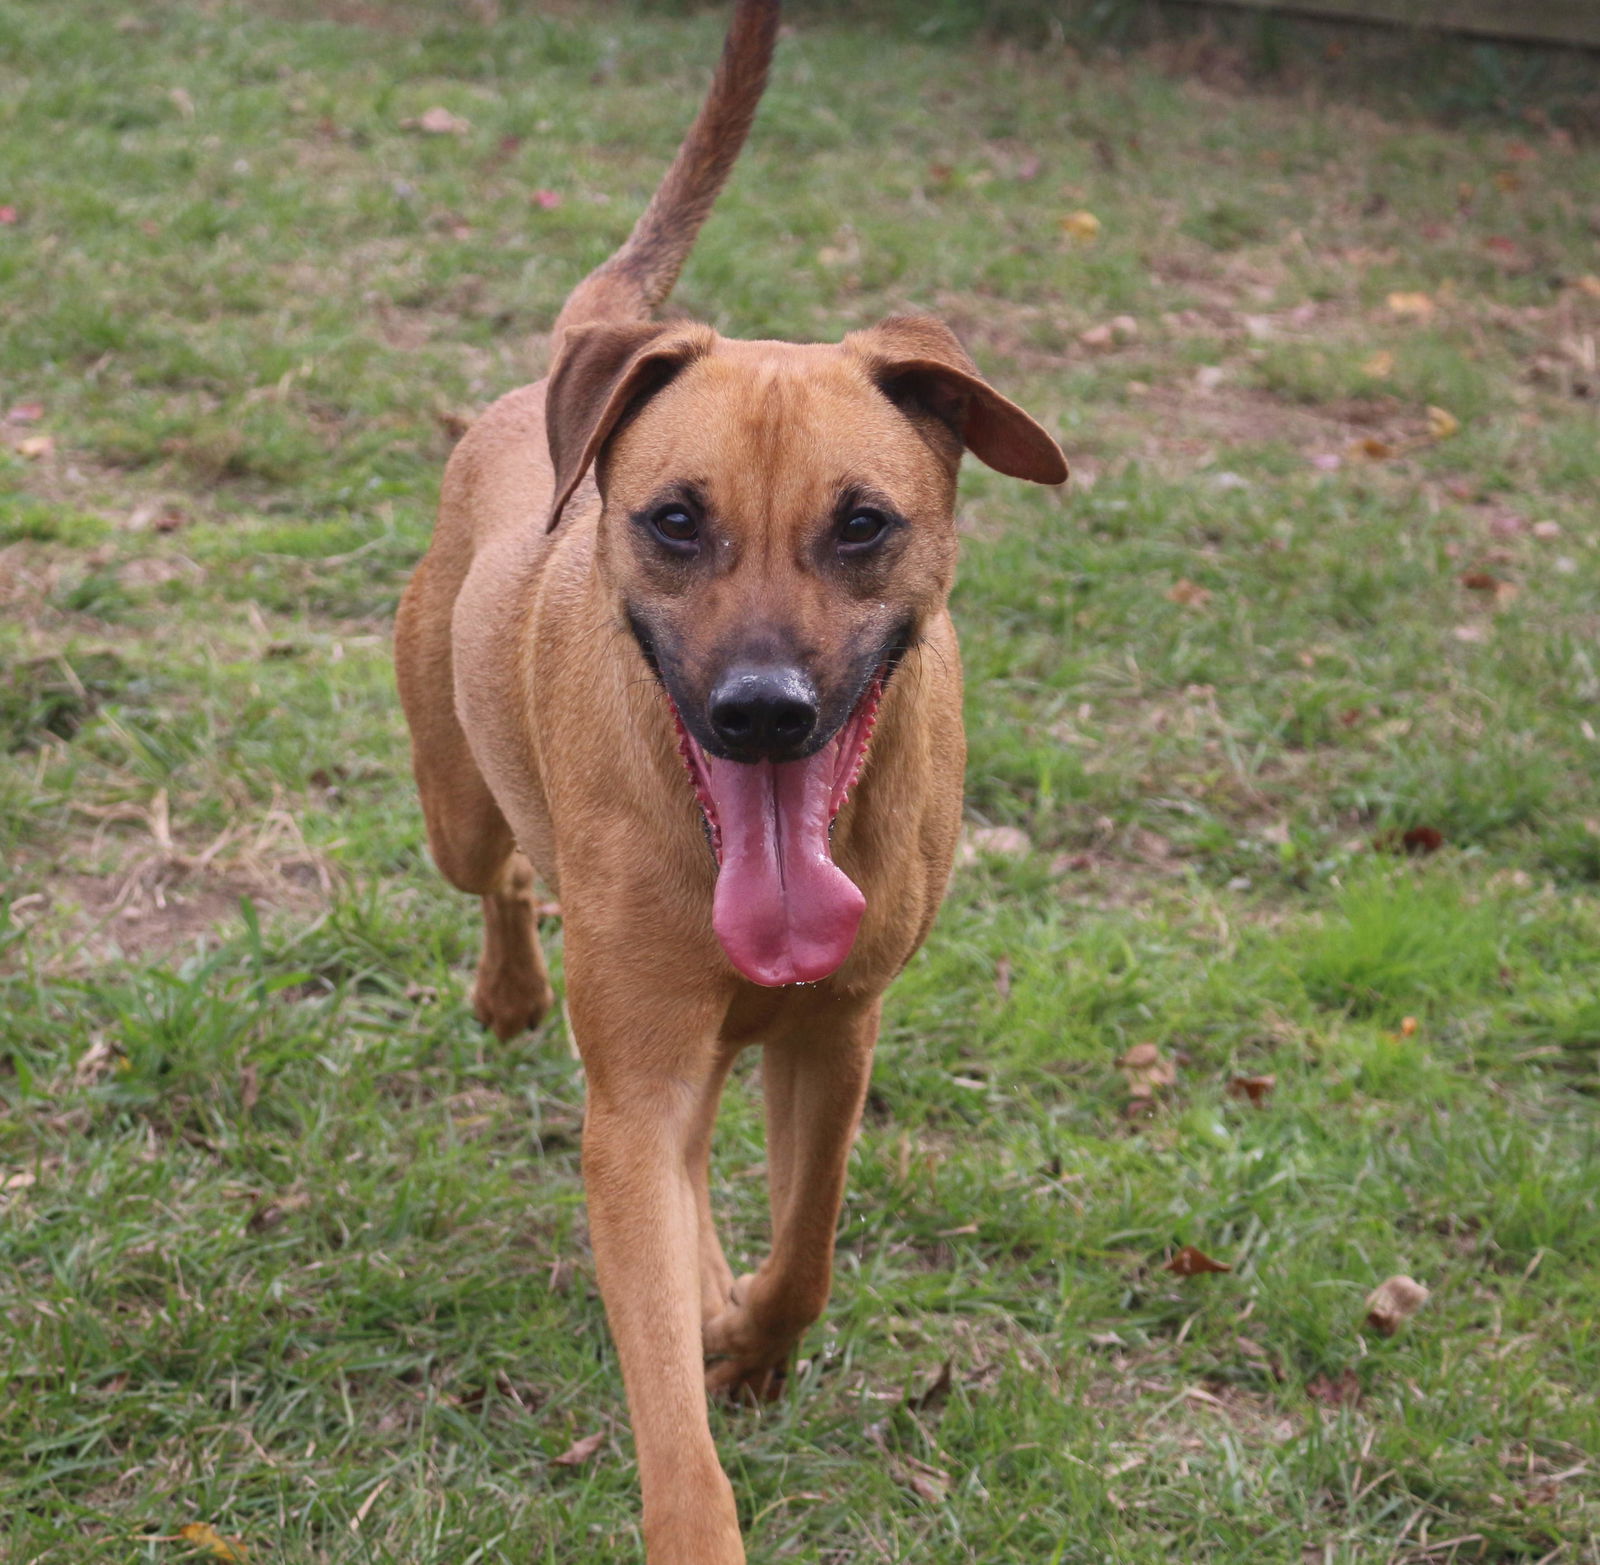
{"points": [[25, 413], [36, 446], [1380, 365], [1147, 1070], [1442, 424], [1255, 1089], [269, 1214], [1372, 449], [929, 1483], [1189, 594], [1471, 633], [1589, 284], [202, 1535], [1082, 227], [1341, 1390], [1420, 841], [1408, 1026], [1392, 1303], [580, 1451], [1190, 1262], [936, 1393]]}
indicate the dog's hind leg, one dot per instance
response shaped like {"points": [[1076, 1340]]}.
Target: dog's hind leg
{"points": [[470, 840]]}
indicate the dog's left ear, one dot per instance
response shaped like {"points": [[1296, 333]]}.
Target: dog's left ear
{"points": [[920, 365], [604, 373]]}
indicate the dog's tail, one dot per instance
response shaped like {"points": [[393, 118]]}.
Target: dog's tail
{"points": [[641, 274]]}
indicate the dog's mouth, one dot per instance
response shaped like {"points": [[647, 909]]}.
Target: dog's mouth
{"points": [[784, 911]]}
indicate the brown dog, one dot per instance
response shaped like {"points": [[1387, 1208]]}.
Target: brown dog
{"points": [[680, 647]]}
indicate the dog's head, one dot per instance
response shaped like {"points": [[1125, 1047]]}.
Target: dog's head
{"points": [[778, 517], [777, 526]]}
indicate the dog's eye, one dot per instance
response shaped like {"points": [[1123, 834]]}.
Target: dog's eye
{"points": [[674, 525], [859, 532]]}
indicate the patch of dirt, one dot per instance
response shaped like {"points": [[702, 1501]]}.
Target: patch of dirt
{"points": [[158, 901], [161, 914], [1196, 423]]}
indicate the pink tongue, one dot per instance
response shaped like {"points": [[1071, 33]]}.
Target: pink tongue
{"points": [[784, 911]]}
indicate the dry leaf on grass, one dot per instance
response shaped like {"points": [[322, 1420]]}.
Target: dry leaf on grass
{"points": [[1341, 1390], [269, 1214], [1442, 424], [1380, 366], [1147, 1069], [1502, 591], [936, 1393], [36, 447], [925, 1481], [202, 1535], [1372, 449], [1188, 594], [1254, 1089], [580, 1451], [1190, 1262], [1391, 1304], [25, 413], [1084, 227]]}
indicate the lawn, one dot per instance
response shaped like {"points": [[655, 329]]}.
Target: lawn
{"points": [[1282, 794]]}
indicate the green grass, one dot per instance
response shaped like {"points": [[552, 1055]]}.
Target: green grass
{"points": [[287, 1245]]}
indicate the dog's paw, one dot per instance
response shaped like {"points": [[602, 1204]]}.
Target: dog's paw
{"points": [[746, 1385], [508, 1008], [745, 1362]]}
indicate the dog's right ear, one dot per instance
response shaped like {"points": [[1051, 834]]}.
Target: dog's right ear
{"points": [[604, 373]]}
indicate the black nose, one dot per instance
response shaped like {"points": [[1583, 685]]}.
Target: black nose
{"points": [[763, 713]]}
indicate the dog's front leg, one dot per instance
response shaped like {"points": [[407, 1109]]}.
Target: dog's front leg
{"points": [[655, 1074], [814, 1077]]}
